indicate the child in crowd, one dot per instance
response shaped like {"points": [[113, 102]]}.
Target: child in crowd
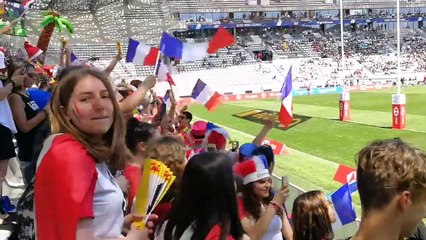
{"points": [[312, 217]]}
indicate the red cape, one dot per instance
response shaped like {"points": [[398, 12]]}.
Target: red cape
{"points": [[64, 188]]}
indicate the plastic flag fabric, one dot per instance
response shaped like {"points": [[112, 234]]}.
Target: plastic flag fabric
{"points": [[342, 173], [343, 207], [156, 181], [205, 95], [286, 111]]}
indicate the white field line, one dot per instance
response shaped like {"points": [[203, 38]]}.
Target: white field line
{"points": [[291, 149]]}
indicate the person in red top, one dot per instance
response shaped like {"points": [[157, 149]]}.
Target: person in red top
{"points": [[137, 137], [184, 127], [75, 195], [198, 133], [207, 206]]}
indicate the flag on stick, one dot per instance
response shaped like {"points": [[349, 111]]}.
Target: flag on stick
{"points": [[286, 111], [343, 207], [189, 52], [139, 53], [203, 94]]}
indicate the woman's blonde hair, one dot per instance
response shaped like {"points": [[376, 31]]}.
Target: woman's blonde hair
{"points": [[112, 148], [171, 151]]}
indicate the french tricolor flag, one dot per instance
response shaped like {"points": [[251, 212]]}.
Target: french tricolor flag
{"points": [[163, 71], [189, 52], [343, 207], [286, 111], [139, 53], [203, 94]]}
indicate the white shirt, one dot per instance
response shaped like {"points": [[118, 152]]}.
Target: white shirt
{"points": [[274, 229], [6, 117], [107, 205]]}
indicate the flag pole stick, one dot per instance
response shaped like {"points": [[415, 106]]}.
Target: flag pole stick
{"points": [[398, 46], [25, 11], [279, 99], [171, 91], [157, 65]]}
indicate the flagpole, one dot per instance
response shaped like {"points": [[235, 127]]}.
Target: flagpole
{"points": [[342, 47], [25, 11], [278, 71], [157, 65], [398, 46], [171, 91]]}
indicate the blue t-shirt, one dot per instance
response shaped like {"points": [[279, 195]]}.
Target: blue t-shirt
{"points": [[41, 97]]}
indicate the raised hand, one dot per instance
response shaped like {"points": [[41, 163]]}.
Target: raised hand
{"points": [[150, 81]]}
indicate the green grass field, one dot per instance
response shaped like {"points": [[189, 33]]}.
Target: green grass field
{"points": [[319, 144]]}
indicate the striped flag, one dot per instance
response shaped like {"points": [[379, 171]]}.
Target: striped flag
{"points": [[163, 71], [343, 207], [286, 111], [189, 52], [203, 94], [140, 53]]}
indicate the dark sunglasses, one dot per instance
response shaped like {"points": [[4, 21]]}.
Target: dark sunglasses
{"points": [[31, 75]]}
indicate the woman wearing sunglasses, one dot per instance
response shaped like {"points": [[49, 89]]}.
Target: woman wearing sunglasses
{"points": [[26, 113]]}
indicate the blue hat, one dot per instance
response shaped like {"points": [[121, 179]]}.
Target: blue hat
{"points": [[265, 151], [246, 150]]}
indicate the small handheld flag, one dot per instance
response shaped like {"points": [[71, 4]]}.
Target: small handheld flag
{"points": [[156, 181], [343, 207], [140, 53], [203, 94], [286, 111]]}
